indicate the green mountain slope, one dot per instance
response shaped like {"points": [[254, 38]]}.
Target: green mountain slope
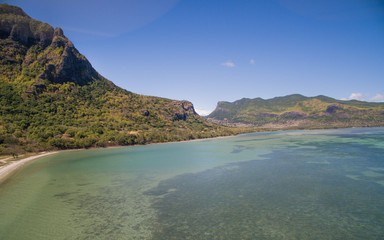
{"points": [[297, 111], [52, 98]]}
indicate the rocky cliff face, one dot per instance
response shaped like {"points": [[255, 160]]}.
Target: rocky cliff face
{"points": [[181, 110], [68, 65], [15, 24], [58, 60]]}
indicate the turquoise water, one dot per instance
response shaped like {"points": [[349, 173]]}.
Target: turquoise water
{"points": [[326, 184]]}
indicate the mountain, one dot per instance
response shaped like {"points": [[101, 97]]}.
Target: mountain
{"points": [[52, 98], [297, 111]]}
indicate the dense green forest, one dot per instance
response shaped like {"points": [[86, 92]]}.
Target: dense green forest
{"points": [[52, 98]]}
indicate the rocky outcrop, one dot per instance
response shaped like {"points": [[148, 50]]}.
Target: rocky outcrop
{"points": [[221, 106], [188, 107], [15, 24], [9, 9], [180, 110], [333, 109], [61, 61], [70, 65]]}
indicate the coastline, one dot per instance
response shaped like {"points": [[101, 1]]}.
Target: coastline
{"points": [[8, 169]]}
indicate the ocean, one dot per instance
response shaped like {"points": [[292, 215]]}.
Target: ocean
{"points": [[318, 184]]}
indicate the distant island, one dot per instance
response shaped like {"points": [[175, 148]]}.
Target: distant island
{"points": [[298, 112], [52, 98]]}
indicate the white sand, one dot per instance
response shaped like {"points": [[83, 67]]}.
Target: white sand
{"points": [[12, 166]]}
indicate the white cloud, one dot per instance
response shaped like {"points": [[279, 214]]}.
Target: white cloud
{"points": [[357, 96], [252, 61], [203, 112], [365, 97], [378, 98], [228, 64]]}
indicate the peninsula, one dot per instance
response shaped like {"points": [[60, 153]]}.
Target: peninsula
{"points": [[298, 112], [52, 98]]}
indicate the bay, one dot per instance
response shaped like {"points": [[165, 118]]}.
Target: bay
{"points": [[323, 184]]}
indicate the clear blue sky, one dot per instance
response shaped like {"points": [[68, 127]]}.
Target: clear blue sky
{"points": [[207, 51]]}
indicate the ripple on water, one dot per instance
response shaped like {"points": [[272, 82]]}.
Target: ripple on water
{"points": [[288, 185]]}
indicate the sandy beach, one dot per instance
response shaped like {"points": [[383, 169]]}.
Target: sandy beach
{"points": [[6, 170]]}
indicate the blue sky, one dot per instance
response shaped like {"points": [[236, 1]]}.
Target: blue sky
{"points": [[207, 51]]}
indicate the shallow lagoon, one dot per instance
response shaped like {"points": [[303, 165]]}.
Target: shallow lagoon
{"points": [[326, 184]]}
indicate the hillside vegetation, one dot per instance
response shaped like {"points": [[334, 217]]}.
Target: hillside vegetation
{"points": [[52, 98], [297, 111]]}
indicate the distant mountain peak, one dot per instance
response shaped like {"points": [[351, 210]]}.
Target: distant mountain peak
{"points": [[15, 24], [10, 9], [58, 60]]}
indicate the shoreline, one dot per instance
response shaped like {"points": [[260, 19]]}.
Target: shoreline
{"points": [[8, 169]]}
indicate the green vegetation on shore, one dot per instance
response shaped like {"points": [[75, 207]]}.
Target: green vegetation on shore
{"points": [[299, 112], [52, 98]]}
